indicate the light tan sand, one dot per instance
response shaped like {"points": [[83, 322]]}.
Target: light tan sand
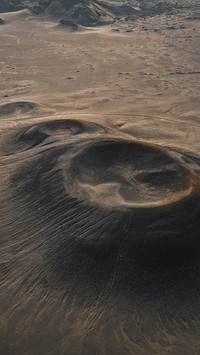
{"points": [[144, 72]]}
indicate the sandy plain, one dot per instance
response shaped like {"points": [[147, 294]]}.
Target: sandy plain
{"points": [[134, 87], [152, 71]]}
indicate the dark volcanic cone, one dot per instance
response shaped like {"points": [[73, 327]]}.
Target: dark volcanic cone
{"points": [[113, 190], [100, 242], [83, 12]]}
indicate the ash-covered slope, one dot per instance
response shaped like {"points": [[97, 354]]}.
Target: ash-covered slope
{"points": [[11, 5]]}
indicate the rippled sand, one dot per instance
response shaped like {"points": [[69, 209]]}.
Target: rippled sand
{"points": [[100, 188]]}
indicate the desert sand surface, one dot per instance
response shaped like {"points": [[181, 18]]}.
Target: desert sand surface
{"points": [[100, 186]]}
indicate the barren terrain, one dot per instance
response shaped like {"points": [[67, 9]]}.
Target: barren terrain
{"points": [[100, 183]]}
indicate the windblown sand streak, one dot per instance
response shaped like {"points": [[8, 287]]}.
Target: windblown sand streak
{"points": [[98, 242]]}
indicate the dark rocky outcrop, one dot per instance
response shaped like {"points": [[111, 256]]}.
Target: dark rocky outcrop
{"points": [[70, 25], [2, 22]]}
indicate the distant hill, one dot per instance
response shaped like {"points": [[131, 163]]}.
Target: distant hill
{"points": [[99, 12], [102, 12], [11, 5]]}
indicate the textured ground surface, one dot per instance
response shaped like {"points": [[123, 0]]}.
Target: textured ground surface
{"points": [[100, 184]]}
